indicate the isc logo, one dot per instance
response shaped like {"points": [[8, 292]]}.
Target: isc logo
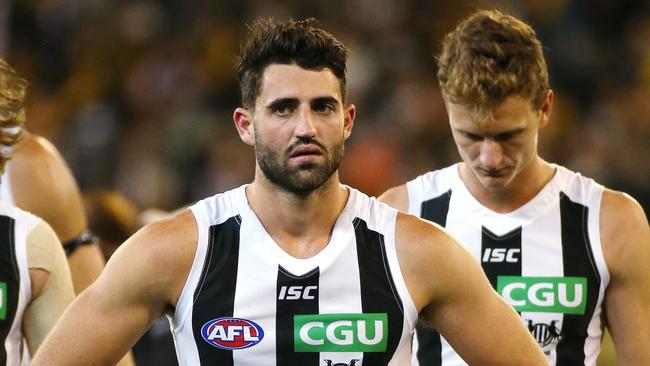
{"points": [[499, 255], [340, 332], [232, 333], [297, 292]]}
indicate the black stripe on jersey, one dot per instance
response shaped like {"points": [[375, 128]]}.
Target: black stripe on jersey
{"points": [[295, 295], [378, 291], [578, 260], [10, 275], [436, 208], [218, 299], [429, 343], [500, 255]]}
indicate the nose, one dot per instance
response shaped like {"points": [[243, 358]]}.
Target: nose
{"points": [[305, 124], [491, 154]]}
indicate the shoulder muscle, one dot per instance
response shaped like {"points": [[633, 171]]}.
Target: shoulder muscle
{"points": [[43, 184], [430, 258], [159, 255], [396, 197], [623, 227]]}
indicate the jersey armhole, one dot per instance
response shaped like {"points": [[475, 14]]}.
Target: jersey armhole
{"points": [[410, 311], [414, 194], [186, 298], [593, 226]]}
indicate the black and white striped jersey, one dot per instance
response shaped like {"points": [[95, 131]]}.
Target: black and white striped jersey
{"points": [[15, 284], [544, 258], [247, 302]]}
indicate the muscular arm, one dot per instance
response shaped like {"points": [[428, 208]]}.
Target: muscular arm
{"points": [[142, 280], [43, 184], [51, 285], [452, 294], [397, 197], [625, 238]]}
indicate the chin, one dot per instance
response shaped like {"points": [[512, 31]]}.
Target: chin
{"points": [[495, 182]]}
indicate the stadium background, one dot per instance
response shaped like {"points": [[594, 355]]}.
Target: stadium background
{"points": [[138, 95]]}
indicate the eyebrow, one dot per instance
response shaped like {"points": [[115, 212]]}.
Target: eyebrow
{"points": [[325, 100], [283, 102], [513, 131], [292, 102]]}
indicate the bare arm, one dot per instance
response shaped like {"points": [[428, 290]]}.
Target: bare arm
{"points": [[625, 238], [43, 184], [454, 296], [397, 197], [142, 280], [51, 285]]}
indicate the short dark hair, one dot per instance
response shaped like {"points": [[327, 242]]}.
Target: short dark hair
{"points": [[292, 42]]}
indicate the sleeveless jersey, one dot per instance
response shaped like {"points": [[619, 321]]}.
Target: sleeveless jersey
{"points": [[15, 284], [247, 302], [544, 258]]}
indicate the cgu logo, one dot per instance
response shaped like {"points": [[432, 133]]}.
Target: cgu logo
{"points": [[232, 333], [3, 300], [566, 295], [297, 292], [499, 255], [341, 332]]}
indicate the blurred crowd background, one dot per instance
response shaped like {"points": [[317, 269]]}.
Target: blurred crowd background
{"points": [[139, 95]]}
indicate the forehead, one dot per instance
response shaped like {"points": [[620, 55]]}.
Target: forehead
{"points": [[513, 113], [292, 81]]}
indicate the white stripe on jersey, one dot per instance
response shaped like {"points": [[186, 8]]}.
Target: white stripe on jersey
{"points": [[5, 186], [24, 224]]}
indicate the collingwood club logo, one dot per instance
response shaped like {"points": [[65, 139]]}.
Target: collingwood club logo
{"points": [[546, 335], [331, 363]]}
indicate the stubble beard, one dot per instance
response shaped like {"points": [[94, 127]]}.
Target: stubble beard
{"points": [[302, 179]]}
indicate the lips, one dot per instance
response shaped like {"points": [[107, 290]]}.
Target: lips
{"points": [[494, 173], [305, 150]]}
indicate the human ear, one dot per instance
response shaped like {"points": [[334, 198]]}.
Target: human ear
{"points": [[244, 125], [546, 108], [349, 113]]}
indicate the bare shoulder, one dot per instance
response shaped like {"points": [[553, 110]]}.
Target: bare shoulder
{"points": [[43, 184], [428, 257], [33, 151], [158, 257], [165, 241], [620, 206], [624, 228], [397, 197]]}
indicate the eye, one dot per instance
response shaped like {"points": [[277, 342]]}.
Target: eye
{"points": [[471, 136], [324, 107], [503, 137], [283, 109]]}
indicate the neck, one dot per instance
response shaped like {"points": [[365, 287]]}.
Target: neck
{"points": [[300, 224], [523, 187]]}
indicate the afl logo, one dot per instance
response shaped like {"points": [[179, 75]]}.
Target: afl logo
{"points": [[232, 333]]}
